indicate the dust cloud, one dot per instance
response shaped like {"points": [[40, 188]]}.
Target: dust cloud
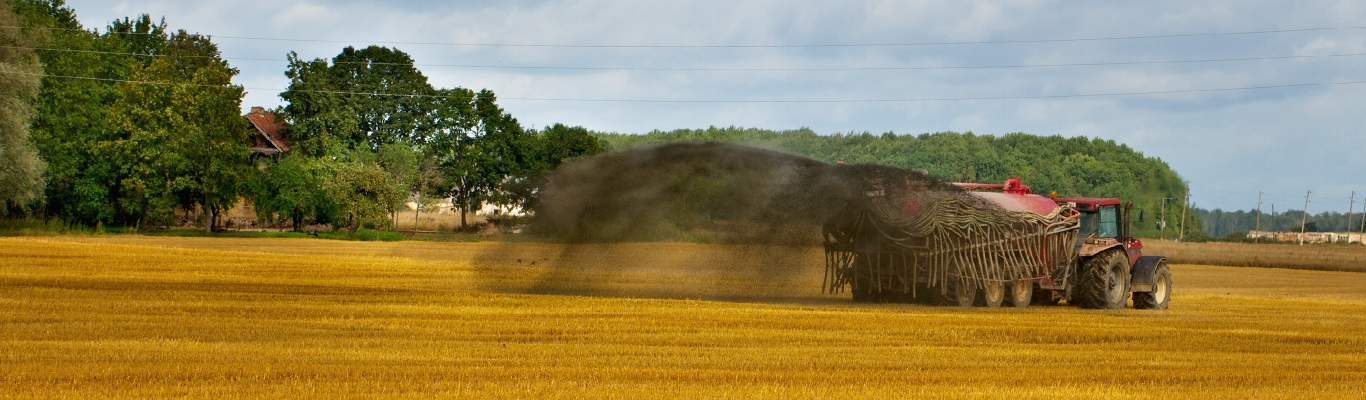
{"points": [[693, 220]]}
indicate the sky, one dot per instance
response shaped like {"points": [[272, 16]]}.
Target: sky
{"points": [[1166, 78]]}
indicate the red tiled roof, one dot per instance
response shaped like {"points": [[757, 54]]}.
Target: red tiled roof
{"points": [[272, 127]]}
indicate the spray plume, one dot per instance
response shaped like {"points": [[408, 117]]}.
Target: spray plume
{"points": [[631, 222]]}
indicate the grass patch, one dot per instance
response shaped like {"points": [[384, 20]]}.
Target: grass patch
{"points": [[366, 235]]}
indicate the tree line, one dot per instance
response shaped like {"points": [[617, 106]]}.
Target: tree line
{"points": [[127, 125], [1236, 224]]}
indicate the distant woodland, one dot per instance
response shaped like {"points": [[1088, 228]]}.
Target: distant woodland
{"points": [[1231, 224]]}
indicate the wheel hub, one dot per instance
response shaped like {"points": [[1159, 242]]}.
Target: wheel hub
{"points": [[1160, 288]]}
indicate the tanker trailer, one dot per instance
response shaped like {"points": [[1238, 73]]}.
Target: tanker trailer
{"points": [[987, 245]]}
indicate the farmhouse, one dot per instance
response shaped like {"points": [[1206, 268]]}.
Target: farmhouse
{"points": [[267, 141], [268, 137]]}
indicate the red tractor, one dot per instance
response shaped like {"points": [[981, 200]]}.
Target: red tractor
{"points": [[991, 245]]}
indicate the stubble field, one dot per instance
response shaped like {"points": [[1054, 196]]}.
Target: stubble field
{"points": [[130, 316]]}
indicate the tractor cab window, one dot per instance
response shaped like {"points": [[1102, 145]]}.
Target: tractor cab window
{"points": [[1109, 222], [1088, 226], [1102, 223]]}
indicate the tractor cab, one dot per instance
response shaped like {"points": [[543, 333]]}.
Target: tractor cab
{"points": [[1104, 225]]}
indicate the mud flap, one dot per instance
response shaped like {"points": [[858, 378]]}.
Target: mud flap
{"points": [[1141, 280]]}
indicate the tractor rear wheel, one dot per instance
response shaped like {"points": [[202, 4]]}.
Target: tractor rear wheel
{"points": [[993, 294], [1161, 294], [1103, 281], [1020, 293]]}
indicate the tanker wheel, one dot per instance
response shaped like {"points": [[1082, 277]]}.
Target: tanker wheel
{"points": [[1162, 290], [1103, 281], [993, 294], [961, 293], [1020, 293]]}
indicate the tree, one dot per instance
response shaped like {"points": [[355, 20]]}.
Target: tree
{"points": [[92, 153], [477, 145], [426, 179], [68, 127], [362, 191], [559, 142], [21, 172], [363, 99], [413, 171], [183, 141], [289, 188], [317, 115], [364, 118], [549, 148]]}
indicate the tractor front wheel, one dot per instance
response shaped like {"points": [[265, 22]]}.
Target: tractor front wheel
{"points": [[1161, 294], [1103, 281]]}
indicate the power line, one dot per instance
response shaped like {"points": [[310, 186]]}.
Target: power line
{"points": [[904, 100], [757, 69], [1091, 64], [762, 46], [928, 99]]}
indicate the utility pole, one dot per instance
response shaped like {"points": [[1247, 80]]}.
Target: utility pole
{"points": [[1304, 218], [1363, 215], [1351, 202], [1273, 217], [1258, 237], [1162, 225], [1184, 205]]}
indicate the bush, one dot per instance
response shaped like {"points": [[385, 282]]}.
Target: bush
{"points": [[372, 235]]}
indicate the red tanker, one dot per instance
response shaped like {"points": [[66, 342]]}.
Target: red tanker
{"points": [[1027, 249]]}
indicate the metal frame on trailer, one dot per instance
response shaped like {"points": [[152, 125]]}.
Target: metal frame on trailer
{"points": [[883, 254]]}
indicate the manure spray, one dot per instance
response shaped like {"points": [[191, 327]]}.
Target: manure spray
{"points": [[700, 220]]}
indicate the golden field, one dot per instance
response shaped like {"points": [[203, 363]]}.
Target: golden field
{"points": [[130, 316]]}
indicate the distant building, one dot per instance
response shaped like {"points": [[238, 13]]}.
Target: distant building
{"points": [[1309, 237], [269, 138]]}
